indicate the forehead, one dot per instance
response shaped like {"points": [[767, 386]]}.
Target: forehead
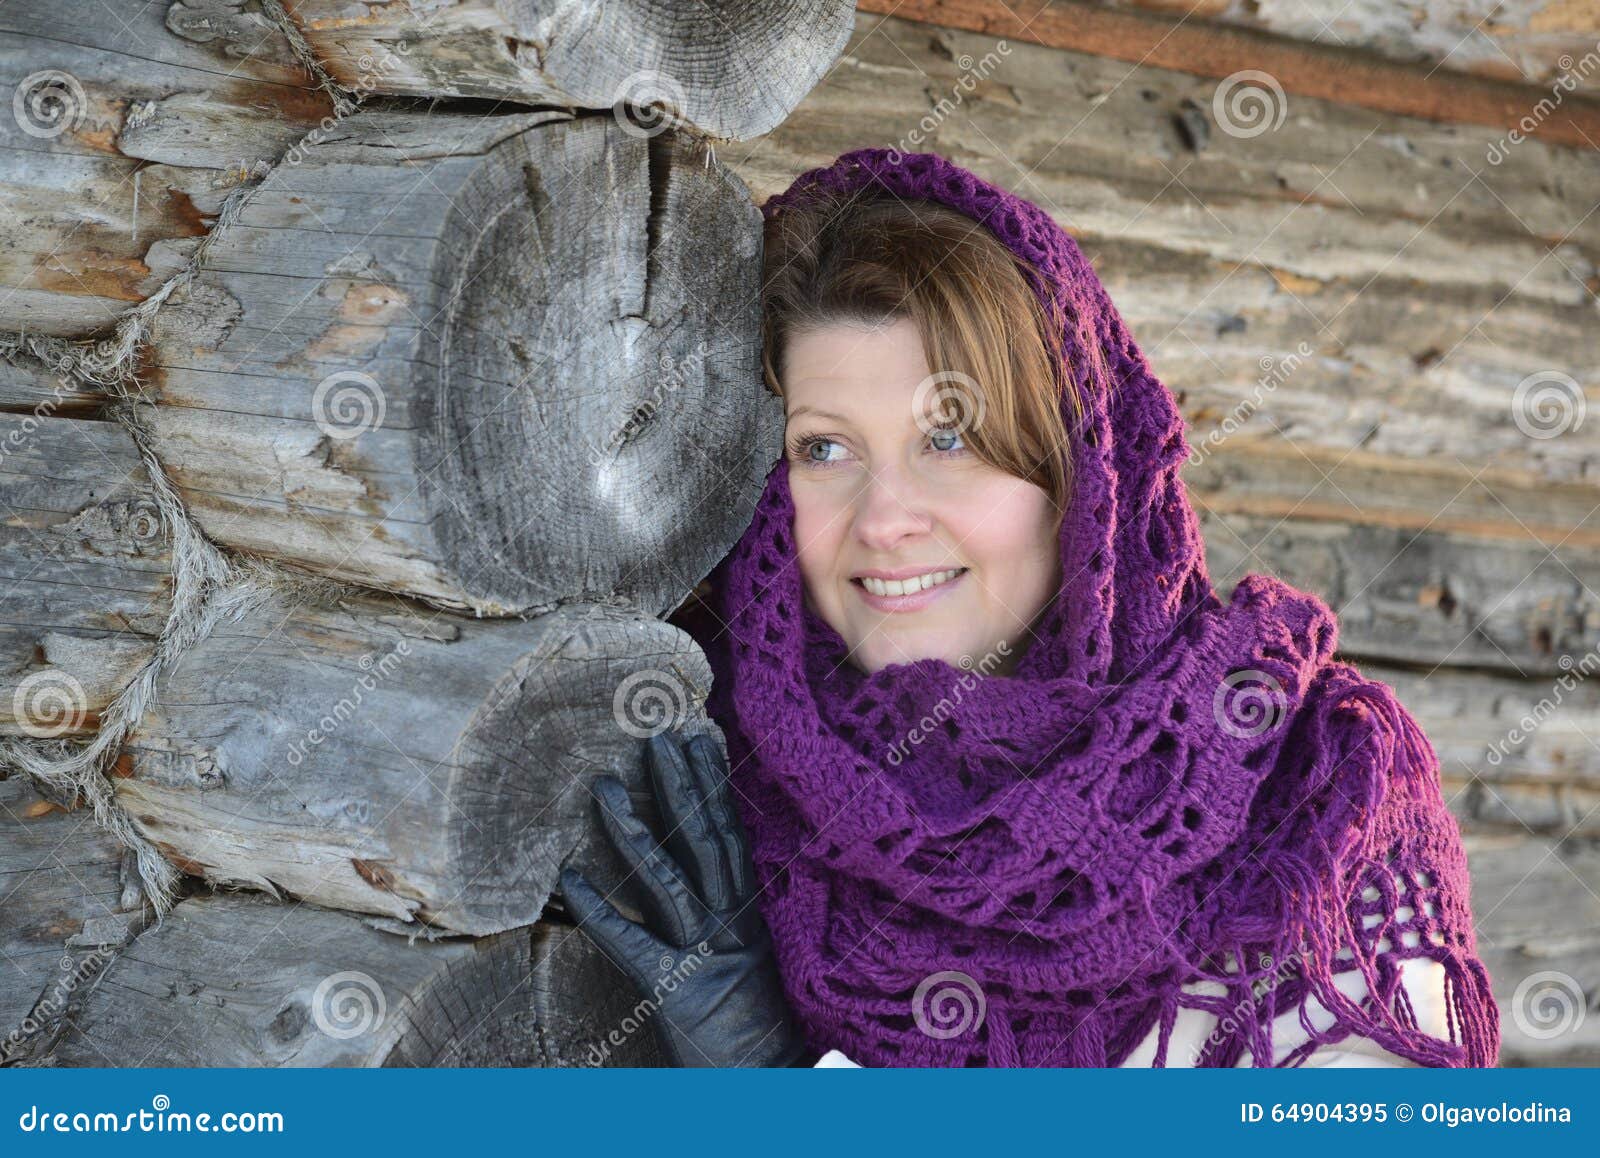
{"points": [[852, 370]]}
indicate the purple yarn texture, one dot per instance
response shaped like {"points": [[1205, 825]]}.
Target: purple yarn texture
{"points": [[1169, 789]]}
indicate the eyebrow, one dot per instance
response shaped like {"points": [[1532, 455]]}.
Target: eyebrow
{"points": [[799, 410]]}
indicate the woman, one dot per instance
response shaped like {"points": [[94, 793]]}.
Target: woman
{"points": [[1052, 802]]}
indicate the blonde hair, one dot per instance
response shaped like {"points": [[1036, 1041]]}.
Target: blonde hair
{"points": [[873, 259]]}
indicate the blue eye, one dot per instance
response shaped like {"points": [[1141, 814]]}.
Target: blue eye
{"points": [[803, 448], [949, 431]]}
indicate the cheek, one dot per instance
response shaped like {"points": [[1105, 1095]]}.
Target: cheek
{"points": [[816, 530], [1011, 526]]}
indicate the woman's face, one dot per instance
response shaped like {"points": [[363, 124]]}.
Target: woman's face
{"points": [[876, 493]]}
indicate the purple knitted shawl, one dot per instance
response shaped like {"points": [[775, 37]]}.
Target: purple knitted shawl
{"points": [[961, 868]]}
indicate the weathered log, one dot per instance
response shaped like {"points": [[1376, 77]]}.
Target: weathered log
{"points": [[363, 755], [476, 361], [99, 92], [69, 896], [1536, 905], [730, 70], [85, 571], [1521, 40], [1419, 592], [241, 980]]}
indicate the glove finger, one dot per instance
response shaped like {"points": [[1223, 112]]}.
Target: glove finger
{"points": [[710, 769], [630, 947], [670, 905], [691, 835]]}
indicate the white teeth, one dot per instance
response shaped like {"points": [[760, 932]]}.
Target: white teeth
{"points": [[908, 586]]}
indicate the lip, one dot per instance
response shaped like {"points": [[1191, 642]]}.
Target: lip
{"points": [[916, 602]]}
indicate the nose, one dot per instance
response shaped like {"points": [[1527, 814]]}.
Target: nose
{"points": [[891, 507]]}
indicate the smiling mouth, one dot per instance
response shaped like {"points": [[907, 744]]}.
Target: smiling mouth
{"points": [[904, 588]]}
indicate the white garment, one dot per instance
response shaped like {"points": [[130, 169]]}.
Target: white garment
{"points": [[1422, 978]]}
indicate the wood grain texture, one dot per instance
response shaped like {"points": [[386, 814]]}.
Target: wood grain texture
{"points": [[475, 359], [130, 138], [241, 980], [1323, 71], [85, 571], [725, 69], [363, 755]]}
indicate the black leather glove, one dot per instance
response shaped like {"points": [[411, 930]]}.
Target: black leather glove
{"points": [[705, 955]]}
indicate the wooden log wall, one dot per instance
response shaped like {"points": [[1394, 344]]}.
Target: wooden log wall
{"points": [[352, 449], [422, 336], [1346, 306]]}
